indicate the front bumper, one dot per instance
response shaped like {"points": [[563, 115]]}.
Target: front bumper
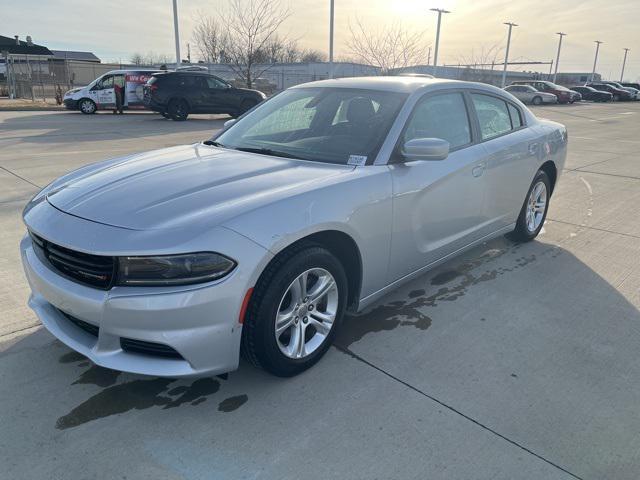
{"points": [[199, 322], [70, 103]]}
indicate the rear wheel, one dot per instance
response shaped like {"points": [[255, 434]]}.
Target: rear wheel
{"points": [[295, 310], [536, 100], [87, 106], [534, 211], [178, 110]]}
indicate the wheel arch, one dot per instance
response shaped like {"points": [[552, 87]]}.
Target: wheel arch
{"points": [[346, 250], [549, 167]]}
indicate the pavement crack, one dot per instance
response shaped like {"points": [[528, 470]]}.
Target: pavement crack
{"points": [[21, 178], [456, 411], [630, 235]]}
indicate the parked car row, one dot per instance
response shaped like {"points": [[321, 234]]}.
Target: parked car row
{"points": [[174, 94], [538, 92]]}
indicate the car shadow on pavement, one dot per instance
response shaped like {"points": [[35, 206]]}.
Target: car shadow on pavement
{"points": [[418, 311]]}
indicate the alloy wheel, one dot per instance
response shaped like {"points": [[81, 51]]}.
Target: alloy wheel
{"points": [[306, 313], [536, 206]]}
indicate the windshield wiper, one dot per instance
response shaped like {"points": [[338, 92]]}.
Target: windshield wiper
{"points": [[213, 143], [268, 151]]}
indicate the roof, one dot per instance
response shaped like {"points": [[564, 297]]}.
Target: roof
{"points": [[9, 45], [395, 83], [73, 55]]}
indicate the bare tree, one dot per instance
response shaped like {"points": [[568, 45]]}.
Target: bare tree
{"points": [[251, 24], [388, 48], [136, 59], [311, 56], [210, 38], [480, 62]]}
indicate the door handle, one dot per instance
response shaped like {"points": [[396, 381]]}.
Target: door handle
{"points": [[477, 170]]}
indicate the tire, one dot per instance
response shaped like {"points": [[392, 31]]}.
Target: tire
{"points": [[616, 98], [87, 106], [527, 230], [178, 110], [274, 295], [537, 101], [165, 115]]}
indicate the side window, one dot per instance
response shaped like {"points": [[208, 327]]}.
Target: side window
{"points": [[440, 116], [516, 118], [106, 82], [213, 82], [493, 115]]}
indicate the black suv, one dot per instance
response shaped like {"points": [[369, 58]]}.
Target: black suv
{"points": [[177, 94]]}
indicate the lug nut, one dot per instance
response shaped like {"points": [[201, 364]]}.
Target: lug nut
{"points": [[305, 319], [310, 307]]}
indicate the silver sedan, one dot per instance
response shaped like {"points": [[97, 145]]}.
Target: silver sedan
{"points": [[320, 200], [528, 94]]}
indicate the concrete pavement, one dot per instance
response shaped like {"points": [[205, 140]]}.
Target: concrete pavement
{"points": [[514, 361]]}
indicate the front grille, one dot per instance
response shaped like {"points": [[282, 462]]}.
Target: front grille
{"points": [[148, 348], [91, 329], [94, 270]]}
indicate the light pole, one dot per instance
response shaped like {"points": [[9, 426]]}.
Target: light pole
{"points": [[624, 62], [506, 54], [555, 72], [595, 60], [331, 39], [435, 53], [176, 33]]}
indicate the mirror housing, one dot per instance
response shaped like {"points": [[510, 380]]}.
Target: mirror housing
{"points": [[228, 123], [425, 149]]}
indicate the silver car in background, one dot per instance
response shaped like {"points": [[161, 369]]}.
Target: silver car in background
{"points": [[528, 94], [322, 199]]}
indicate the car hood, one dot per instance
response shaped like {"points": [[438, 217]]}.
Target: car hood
{"points": [[185, 186]]}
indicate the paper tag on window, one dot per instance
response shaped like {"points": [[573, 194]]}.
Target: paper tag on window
{"points": [[358, 160]]}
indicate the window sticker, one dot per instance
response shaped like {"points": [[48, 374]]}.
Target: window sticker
{"points": [[358, 160]]}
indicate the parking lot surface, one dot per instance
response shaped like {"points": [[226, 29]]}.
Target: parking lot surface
{"points": [[514, 361]]}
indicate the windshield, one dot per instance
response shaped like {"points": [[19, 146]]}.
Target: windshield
{"points": [[331, 125]]}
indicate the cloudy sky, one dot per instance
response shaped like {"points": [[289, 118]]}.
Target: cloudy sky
{"points": [[114, 29]]}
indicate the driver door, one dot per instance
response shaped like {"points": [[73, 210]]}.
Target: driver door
{"points": [[103, 93], [437, 204]]}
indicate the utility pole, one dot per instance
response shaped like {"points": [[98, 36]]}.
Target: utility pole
{"points": [[595, 60], [555, 72], [624, 63], [331, 14], [435, 53], [176, 32], [189, 53], [506, 54]]}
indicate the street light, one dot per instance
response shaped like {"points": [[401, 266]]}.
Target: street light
{"points": [[555, 72], [595, 60], [435, 55], [624, 62], [506, 54], [331, 39], [176, 33]]}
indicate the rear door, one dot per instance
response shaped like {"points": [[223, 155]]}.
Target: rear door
{"points": [[437, 205], [511, 150], [218, 95]]}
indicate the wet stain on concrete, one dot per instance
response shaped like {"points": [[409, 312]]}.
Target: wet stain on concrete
{"points": [[135, 395], [194, 394], [72, 357], [232, 403], [453, 284], [99, 376]]}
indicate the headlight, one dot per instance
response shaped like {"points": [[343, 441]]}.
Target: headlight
{"points": [[173, 269]]}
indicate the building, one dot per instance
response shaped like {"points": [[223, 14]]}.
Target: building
{"points": [[61, 55]]}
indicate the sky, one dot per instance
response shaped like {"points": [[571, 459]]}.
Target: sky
{"points": [[115, 29]]}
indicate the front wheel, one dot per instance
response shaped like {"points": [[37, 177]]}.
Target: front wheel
{"points": [[178, 110], [534, 211], [537, 101], [295, 310], [87, 106]]}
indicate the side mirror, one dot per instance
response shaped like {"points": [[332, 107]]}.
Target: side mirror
{"points": [[228, 123], [425, 149]]}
